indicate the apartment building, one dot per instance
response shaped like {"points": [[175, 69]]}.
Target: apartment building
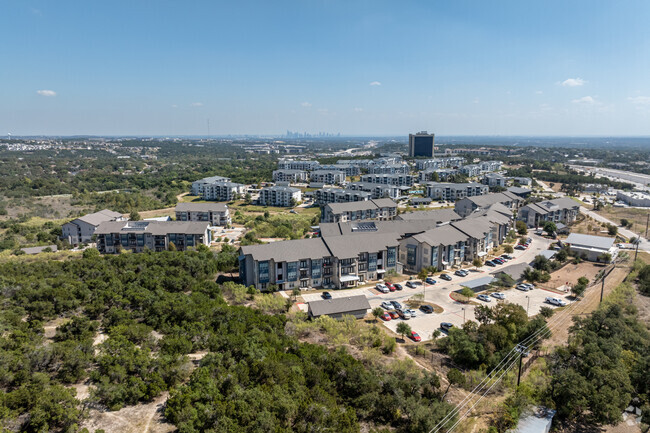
{"points": [[348, 169], [487, 166], [199, 185], [441, 247], [494, 179], [81, 230], [471, 170], [389, 169], [324, 196], [468, 205], [216, 214], [299, 164], [561, 210], [330, 177], [137, 236], [378, 190], [455, 191], [317, 262], [381, 209], [389, 179], [223, 191], [282, 196], [291, 176], [523, 181], [441, 174], [425, 164]]}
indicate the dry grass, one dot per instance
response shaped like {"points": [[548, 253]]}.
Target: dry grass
{"points": [[637, 216]]}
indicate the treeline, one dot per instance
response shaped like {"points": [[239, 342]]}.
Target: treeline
{"points": [[153, 309], [571, 180]]}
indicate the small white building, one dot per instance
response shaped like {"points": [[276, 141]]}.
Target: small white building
{"points": [[283, 196], [592, 248]]}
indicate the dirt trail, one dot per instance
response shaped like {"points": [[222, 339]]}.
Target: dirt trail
{"points": [[141, 418]]}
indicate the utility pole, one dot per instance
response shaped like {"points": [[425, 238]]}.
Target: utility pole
{"points": [[528, 305], [521, 349], [647, 220], [602, 288], [463, 315], [636, 253]]}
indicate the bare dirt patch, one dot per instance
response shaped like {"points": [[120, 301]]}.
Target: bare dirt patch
{"points": [[142, 418]]}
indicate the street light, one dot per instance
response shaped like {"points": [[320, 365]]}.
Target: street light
{"points": [[527, 306], [463, 315]]}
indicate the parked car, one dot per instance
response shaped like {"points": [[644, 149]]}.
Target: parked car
{"points": [[396, 305], [484, 298], [382, 288], [390, 287], [507, 256], [386, 305], [556, 301], [523, 287], [520, 247], [393, 315], [446, 326], [412, 312], [415, 337], [498, 261], [386, 317], [412, 284], [326, 295], [490, 263], [461, 273], [498, 295], [403, 314], [430, 280], [445, 277], [427, 309], [398, 286]]}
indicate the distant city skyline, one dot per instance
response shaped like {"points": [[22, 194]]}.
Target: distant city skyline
{"points": [[464, 68]]}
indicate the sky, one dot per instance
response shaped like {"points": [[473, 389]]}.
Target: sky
{"points": [[351, 67]]}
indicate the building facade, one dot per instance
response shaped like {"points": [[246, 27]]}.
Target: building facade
{"points": [[324, 196], [381, 209], [282, 196], [561, 210], [138, 236], [330, 177], [216, 214], [292, 176], [81, 230], [421, 144], [455, 191]]}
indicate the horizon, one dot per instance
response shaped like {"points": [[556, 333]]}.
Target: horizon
{"points": [[467, 68]]}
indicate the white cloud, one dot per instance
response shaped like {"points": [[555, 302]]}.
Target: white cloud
{"points": [[475, 101], [358, 109], [587, 100], [573, 82], [539, 92], [306, 104], [174, 106], [197, 104], [375, 83], [46, 92], [639, 100]]}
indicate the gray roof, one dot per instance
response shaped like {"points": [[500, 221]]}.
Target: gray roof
{"points": [[361, 205], [519, 190], [280, 188], [515, 271], [477, 283], [288, 171], [213, 179], [546, 206], [201, 207], [590, 241], [343, 248], [549, 254], [492, 198], [474, 227], [153, 227], [99, 217], [288, 251], [443, 235], [397, 227], [36, 250], [338, 305], [437, 215]]}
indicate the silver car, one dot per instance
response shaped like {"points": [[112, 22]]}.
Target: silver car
{"points": [[498, 295], [484, 298]]}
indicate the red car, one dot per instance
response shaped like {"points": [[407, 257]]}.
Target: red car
{"points": [[415, 336], [386, 317], [390, 287], [393, 315]]}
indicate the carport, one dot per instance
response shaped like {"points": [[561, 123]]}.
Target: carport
{"points": [[479, 284]]}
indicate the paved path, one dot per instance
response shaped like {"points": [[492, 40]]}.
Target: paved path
{"points": [[645, 244]]}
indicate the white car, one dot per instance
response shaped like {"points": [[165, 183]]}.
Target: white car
{"points": [[484, 298], [413, 313], [498, 295], [382, 288], [386, 305], [556, 301]]}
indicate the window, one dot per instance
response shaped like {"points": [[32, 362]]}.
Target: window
{"points": [[391, 254], [304, 274], [372, 262], [292, 271], [303, 264], [411, 253], [109, 240], [362, 267], [316, 267], [434, 256], [263, 271]]}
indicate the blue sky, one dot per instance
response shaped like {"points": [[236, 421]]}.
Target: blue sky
{"points": [[355, 67]]}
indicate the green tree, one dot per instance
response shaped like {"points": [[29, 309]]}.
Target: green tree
{"points": [[483, 314], [467, 293], [403, 329], [508, 249], [550, 227], [135, 216], [612, 230], [377, 312], [546, 312], [522, 228], [423, 274], [477, 262], [171, 246], [454, 377]]}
